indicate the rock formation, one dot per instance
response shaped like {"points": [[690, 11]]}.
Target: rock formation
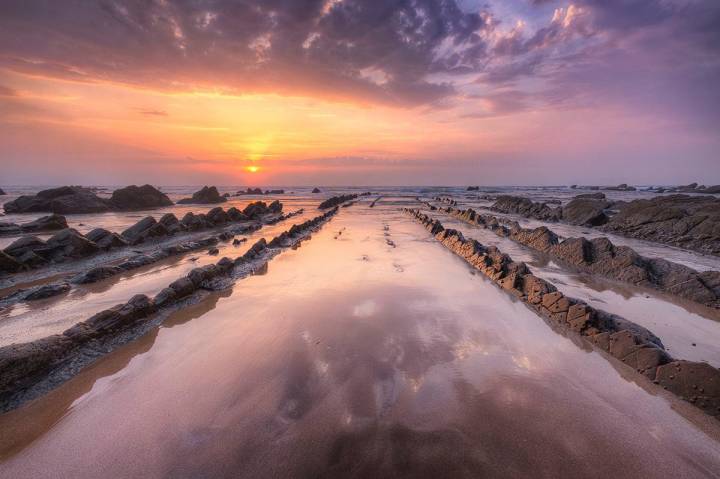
{"points": [[629, 343], [63, 200], [207, 195], [138, 198], [336, 200], [600, 256]]}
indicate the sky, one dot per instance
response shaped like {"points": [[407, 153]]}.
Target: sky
{"points": [[359, 92]]}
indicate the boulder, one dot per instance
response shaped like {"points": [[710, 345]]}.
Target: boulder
{"points": [[316, 190], [106, 239], [473, 188], [139, 198], [586, 212], [2, 192], [70, 244], [236, 215], [63, 200], [275, 207], [217, 216], [23, 245], [8, 264], [527, 208], [193, 222], [171, 223], [45, 223], [207, 195], [144, 229], [256, 209]]}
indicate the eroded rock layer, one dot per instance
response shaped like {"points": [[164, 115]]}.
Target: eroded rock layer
{"points": [[690, 222], [631, 344], [24, 365], [600, 256], [30, 251]]}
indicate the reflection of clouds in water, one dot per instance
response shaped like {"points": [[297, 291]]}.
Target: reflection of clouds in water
{"points": [[365, 309], [523, 362]]}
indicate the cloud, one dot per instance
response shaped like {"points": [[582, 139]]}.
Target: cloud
{"points": [[302, 45]]}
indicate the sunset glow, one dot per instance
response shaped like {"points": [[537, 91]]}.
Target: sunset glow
{"points": [[490, 96]]}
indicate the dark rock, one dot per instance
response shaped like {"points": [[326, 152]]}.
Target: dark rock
{"points": [[250, 191], [335, 201], [275, 192], [144, 229], [213, 251], [20, 364], [170, 222], [71, 244], [138, 198], [106, 239], [275, 207], [698, 383], [97, 274], [23, 245], [165, 297], [45, 223], [193, 222], [256, 210], [473, 188], [691, 222], [527, 208], [586, 212], [8, 264], [592, 196], [47, 291], [236, 215], [2, 192], [119, 317], [316, 190], [183, 287], [207, 195], [63, 200], [218, 216]]}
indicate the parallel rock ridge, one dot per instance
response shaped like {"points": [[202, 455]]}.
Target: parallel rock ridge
{"points": [[601, 256], [32, 252], [336, 200], [24, 365], [633, 345], [690, 222], [77, 199]]}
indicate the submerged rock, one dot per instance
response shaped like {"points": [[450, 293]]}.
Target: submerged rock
{"points": [[207, 195], [47, 291], [139, 198]]}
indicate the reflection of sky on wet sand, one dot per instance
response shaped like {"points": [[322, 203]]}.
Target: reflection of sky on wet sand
{"points": [[335, 363]]}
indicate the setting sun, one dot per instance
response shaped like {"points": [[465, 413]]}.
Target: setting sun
{"points": [[252, 169]]}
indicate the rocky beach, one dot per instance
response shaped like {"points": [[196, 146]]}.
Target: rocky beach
{"points": [[425, 320]]}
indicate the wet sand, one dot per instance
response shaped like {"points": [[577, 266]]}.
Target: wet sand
{"points": [[353, 358]]}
